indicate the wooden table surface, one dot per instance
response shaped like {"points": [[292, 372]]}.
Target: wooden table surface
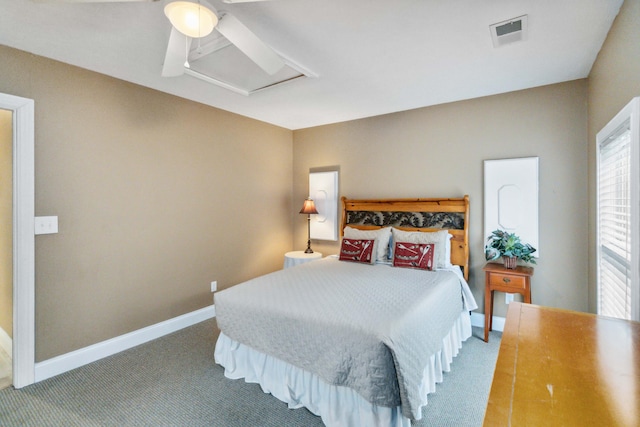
{"points": [[565, 368]]}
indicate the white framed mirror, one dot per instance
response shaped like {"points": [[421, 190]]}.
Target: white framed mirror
{"points": [[323, 189], [511, 198]]}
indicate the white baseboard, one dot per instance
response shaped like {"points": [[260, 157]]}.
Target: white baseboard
{"points": [[6, 343], [477, 319], [66, 362]]}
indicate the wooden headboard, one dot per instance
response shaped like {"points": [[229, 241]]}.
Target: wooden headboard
{"points": [[415, 215]]}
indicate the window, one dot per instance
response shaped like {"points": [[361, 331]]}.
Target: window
{"points": [[618, 210]]}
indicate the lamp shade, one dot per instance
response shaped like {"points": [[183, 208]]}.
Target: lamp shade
{"points": [[191, 19], [309, 207]]}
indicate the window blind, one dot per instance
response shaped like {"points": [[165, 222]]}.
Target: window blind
{"points": [[614, 212]]}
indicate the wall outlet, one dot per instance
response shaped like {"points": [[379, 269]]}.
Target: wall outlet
{"points": [[508, 298], [214, 286], [46, 224]]}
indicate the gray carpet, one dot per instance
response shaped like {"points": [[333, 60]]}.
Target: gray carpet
{"points": [[173, 381]]}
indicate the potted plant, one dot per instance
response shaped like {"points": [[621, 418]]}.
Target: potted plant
{"points": [[508, 246]]}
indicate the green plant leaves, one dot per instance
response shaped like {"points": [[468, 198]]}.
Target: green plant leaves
{"points": [[501, 243]]}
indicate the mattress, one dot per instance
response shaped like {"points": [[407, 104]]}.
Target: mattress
{"points": [[370, 328]]}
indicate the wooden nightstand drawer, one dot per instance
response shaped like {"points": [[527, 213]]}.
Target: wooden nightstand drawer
{"points": [[512, 281], [508, 280]]}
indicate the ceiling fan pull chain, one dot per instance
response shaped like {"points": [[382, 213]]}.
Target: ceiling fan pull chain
{"points": [[186, 48]]}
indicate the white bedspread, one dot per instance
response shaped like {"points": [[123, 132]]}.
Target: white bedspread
{"points": [[337, 406], [369, 328]]}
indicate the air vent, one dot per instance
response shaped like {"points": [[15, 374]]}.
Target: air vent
{"points": [[510, 31]]}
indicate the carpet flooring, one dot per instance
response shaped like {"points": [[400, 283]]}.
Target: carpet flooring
{"points": [[173, 381]]}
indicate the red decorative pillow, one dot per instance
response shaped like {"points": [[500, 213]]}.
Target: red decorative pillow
{"points": [[414, 255], [358, 250]]}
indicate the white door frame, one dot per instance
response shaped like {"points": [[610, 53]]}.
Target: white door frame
{"points": [[23, 238]]}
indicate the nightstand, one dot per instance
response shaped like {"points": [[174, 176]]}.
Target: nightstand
{"points": [[294, 258], [499, 278]]}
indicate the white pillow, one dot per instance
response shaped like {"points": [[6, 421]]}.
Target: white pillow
{"points": [[442, 257], [381, 235]]}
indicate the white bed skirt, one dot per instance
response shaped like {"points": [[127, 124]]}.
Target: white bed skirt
{"points": [[338, 406]]}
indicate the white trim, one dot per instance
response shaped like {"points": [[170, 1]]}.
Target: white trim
{"points": [[214, 46], [23, 238], [66, 362], [477, 319], [6, 343], [212, 80]]}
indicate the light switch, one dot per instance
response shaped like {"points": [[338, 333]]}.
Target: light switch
{"points": [[46, 224]]}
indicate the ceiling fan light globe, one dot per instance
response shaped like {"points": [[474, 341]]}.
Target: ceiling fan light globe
{"points": [[191, 19]]}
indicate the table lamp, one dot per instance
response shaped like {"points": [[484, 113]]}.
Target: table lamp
{"points": [[309, 208]]}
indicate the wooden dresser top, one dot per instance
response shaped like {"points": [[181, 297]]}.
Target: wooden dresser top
{"points": [[564, 368]]}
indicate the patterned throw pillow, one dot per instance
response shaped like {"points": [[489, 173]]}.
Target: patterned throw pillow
{"points": [[414, 255], [358, 250], [438, 238], [382, 236]]}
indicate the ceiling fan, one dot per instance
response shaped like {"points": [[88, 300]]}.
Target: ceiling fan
{"points": [[130, 1], [196, 19]]}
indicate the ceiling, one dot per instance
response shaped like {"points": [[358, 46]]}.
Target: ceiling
{"points": [[369, 57]]}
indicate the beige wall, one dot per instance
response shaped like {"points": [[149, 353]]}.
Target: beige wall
{"points": [[146, 224], [156, 197], [6, 221], [613, 82], [439, 151]]}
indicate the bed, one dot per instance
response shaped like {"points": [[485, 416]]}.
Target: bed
{"points": [[361, 338]]}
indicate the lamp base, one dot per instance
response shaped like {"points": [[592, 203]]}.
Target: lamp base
{"points": [[309, 250]]}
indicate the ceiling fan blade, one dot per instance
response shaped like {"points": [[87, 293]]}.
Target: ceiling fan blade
{"points": [[245, 40], [176, 55], [92, 1]]}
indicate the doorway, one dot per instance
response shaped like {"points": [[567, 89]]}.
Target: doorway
{"points": [[6, 248], [23, 252]]}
